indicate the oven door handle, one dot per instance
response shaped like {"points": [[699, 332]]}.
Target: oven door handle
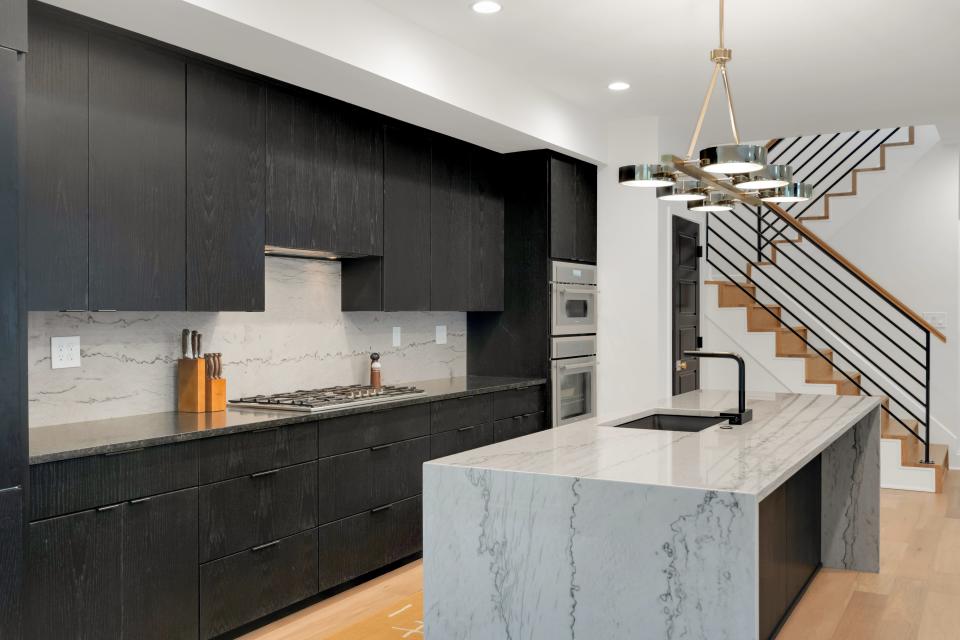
{"points": [[563, 289], [574, 367]]}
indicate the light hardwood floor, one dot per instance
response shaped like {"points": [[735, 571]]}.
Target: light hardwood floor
{"points": [[916, 595]]}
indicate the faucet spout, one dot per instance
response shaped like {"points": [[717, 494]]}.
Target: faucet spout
{"points": [[743, 415]]}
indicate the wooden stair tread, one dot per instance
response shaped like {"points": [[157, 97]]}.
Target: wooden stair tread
{"points": [[836, 379]]}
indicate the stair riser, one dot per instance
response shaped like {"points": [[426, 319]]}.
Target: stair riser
{"points": [[818, 368], [789, 344], [759, 319], [732, 296]]}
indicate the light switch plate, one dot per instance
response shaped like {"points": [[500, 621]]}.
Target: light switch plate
{"points": [[65, 352], [396, 336], [441, 334], [936, 318]]}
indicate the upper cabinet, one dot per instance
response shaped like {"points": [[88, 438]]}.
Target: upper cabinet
{"points": [[573, 209], [13, 26], [56, 155], [443, 229], [137, 178], [225, 191], [324, 176]]}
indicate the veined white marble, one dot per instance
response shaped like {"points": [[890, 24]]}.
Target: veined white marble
{"points": [[302, 340], [787, 431], [593, 531]]}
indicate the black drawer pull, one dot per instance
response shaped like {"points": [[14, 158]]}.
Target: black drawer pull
{"points": [[261, 547], [381, 447], [109, 507], [379, 509], [461, 429], [111, 454], [139, 500], [263, 474]]}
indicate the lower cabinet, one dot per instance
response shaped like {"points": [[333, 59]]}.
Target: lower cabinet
{"points": [[121, 571], [357, 545], [789, 544], [509, 428], [461, 439], [248, 585]]}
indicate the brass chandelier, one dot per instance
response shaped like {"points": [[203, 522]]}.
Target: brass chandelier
{"points": [[722, 175]]}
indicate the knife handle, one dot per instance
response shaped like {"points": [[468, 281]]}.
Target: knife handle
{"points": [[185, 343], [193, 344], [199, 344]]}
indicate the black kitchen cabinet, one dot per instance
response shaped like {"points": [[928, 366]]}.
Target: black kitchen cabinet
{"points": [[460, 439], [509, 428], [225, 178], [450, 202], [486, 231], [406, 219], [137, 179], [244, 512], [573, 209], [160, 583], [56, 158], [324, 176], [789, 545], [11, 561], [75, 575]]}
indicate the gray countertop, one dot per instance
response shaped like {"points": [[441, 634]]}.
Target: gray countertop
{"points": [[78, 439]]}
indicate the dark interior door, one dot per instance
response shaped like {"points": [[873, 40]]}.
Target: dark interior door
{"points": [[686, 304]]}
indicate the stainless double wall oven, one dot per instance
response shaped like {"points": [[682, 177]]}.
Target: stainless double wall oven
{"points": [[573, 350]]}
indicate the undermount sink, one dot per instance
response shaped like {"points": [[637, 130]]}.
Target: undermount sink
{"points": [[673, 422]]}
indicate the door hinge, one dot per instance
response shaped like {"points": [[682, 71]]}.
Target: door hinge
{"points": [[699, 342], [699, 250]]}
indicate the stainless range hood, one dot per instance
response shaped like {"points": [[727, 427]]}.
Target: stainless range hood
{"points": [[310, 254]]}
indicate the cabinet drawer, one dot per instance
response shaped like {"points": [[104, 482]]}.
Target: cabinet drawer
{"points": [[515, 427], [461, 412], [81, 483], [371, 478], [351, 433], [462, 439], [244, 512], [223, 457], [246, 586], [517, 402], [360, 544]]}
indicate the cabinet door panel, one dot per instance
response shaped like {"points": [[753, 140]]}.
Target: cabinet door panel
{"points": [[518, 402], [11, 562], [75, 576], [137, 181], [449, 226], [563, 209], [242, 513], [365, 430], [56, 157], [227, 457], [586, 228], [462, 439], [357, 181], [803, 527], [160, 584], [398, 470], [225, 191], [772, 578], [460, 412], [406, 219], [486, 231], [509, 428]]}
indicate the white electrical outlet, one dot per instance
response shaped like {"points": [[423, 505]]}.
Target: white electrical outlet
{"points": [[65, 352], [396, 336], [441, 334]]}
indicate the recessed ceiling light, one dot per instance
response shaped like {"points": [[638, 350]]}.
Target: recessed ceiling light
{"points": [[618, 86], [486, 6]]}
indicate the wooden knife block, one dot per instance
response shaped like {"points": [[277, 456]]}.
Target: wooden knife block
{"points": [[191, 385], [216, 394]]}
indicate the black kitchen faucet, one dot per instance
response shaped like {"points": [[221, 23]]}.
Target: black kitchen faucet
{"points": [[743, 415]]}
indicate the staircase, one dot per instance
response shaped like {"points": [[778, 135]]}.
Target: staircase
{"points": [[833, 328]]}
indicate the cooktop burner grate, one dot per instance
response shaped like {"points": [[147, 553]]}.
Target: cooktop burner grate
{"points": [[310, 400]]}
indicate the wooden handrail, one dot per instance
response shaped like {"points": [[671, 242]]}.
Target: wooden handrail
{"points": [[771, 142], [694, 171]]}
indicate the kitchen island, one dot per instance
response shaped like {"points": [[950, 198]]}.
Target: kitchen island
{"points": [[598, 531]]}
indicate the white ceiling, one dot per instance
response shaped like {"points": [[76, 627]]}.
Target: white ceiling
{"points": [[801, 66]]}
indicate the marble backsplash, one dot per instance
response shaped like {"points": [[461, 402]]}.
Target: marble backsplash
{"points": [[302, 340]]}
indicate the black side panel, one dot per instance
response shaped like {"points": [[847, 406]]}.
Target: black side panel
{"points": [[137, 181], [486, 231], [160, 584], [11, 561], [773, 541], [517, 341], [406, 224], [563, 208], [586, 242], [225, 191], [75, 576], [56, 165], [686, 303]]}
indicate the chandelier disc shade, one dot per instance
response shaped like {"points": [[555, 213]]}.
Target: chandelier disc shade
{"points": [[733, 159], [793, 192], [715, 201], [771, 176], [646, 175], [683, 191]]}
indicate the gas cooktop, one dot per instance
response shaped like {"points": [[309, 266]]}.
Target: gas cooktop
{"points": [[313, 400]]}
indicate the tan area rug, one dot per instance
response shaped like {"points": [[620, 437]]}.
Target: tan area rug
{"points": [[402, 619]]}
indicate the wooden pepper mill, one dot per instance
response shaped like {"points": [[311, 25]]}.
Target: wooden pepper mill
{"points": [[375, 379]]}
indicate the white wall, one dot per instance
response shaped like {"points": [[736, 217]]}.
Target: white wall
{"points": [[632, 363]]}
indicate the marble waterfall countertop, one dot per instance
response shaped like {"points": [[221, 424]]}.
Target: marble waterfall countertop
{"points": [[787, 431], [74, 440]]}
